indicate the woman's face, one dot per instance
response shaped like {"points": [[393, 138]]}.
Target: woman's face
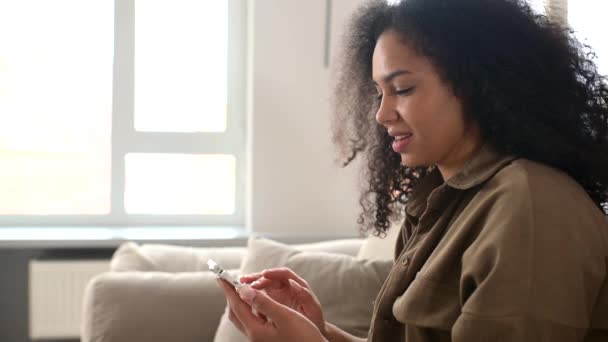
{"points": [[419, 111]]}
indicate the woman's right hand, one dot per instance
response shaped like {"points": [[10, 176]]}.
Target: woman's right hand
{"points": [[289, 289]]}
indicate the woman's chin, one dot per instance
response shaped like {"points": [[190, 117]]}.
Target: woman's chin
{"points": [[408, 161]]}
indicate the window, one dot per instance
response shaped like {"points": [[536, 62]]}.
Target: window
{"points": [[538, 6], [125, 112], [586, 17]]}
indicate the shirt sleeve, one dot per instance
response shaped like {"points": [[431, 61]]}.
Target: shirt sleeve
{"points": [[532, 274], [518, 328]]}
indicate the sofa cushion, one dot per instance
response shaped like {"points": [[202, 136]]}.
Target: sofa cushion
{"points": [[380, 248], [345, 285], [338, 246]]}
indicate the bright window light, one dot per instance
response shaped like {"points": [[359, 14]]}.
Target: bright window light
{"points": [[55, 104], [180, 184], [587, 18], [538, 6], [181, 56]]}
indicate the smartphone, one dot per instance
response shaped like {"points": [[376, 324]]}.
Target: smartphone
{"points": [[217, 269], [220, 272]]}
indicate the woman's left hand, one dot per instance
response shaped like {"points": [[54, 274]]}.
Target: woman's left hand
{"points": [[280, 323]]}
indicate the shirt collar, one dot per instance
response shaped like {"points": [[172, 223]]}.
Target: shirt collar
{"points": [[481, 167], [478, 169]]}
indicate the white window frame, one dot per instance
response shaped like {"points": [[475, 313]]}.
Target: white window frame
{"points": [[126, 140]]}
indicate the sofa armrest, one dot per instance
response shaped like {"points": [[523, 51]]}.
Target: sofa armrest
{"points": [[151, 306], [168, 258]]}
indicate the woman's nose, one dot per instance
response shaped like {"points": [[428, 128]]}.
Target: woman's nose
{"points": [[386, 112]]}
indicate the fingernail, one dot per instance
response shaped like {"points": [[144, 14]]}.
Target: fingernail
{"points": [[255, 283], [247, 294]]}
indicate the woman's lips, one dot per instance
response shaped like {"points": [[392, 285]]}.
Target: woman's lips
{"points": [[401, 142]]}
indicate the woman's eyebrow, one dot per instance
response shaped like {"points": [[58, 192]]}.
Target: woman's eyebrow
{"points": [[390, 76]]}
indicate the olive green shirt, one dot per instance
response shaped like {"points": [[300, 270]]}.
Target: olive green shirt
{"points": [[506, 250]]}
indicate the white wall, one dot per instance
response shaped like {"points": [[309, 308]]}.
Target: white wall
{"points": [[294, 186]]}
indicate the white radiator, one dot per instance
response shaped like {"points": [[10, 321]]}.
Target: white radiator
{"points": [[56, 293]]}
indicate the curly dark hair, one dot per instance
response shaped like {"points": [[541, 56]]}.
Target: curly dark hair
{"points": [[530, 85]]}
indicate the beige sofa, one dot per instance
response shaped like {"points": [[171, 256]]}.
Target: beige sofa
{"points": [[165, 293]]}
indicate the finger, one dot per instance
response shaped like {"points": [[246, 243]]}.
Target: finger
{"points": [[284, 274], [248, 278], [299, 290], [264, 283], [303, 296], [235, 320], [267, 306], [235, 303], [241, 310]]}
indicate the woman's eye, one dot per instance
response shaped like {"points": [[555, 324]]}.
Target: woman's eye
{"points": [[398, 92], [402, 92]]}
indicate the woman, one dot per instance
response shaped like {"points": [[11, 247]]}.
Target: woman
{"points": [[491, 139]]}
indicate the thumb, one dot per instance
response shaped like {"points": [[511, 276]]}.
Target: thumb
{"points": [[303, 296], [301, 293], [308, 304], [265, 305]]}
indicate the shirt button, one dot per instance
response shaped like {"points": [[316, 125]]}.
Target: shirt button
{"points": [[405, 261]]}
